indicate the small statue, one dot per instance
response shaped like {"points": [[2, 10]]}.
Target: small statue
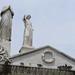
{"points": [[27, 31]]}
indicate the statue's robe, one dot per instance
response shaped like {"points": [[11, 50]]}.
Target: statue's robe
{"points": [[28, 33]]}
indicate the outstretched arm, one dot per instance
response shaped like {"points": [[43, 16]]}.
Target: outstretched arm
{"points": [[24, 19]]}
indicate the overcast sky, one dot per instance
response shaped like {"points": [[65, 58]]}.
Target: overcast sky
{"points": [[53, 22]]}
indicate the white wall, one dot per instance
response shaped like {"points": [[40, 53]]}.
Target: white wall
{"points": [[35, 58]]}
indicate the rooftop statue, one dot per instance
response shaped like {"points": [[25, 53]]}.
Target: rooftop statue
{"points": [[27, 31]]}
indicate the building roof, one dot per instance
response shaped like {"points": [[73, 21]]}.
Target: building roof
{"points": [[38, 49]]}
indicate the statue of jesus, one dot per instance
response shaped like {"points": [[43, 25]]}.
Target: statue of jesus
{"points": [[27, 31]]}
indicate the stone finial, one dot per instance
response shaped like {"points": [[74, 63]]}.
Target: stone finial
{"points": [[6, 28], [3, 54], [5, 9]]}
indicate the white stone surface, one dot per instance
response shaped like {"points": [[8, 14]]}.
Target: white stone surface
{"points": [[34, 58]]}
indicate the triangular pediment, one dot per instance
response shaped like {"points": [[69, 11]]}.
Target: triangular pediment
{"points": [[46, 56]]}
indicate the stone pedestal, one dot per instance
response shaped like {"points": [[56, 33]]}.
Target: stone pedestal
{"points": [[26, 49]]}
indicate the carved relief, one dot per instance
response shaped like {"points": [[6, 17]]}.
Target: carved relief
{"points": [[3, 54], [48, 57], [1, 57]]}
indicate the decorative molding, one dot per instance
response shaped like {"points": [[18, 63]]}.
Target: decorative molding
{"points": [[1, 57]]}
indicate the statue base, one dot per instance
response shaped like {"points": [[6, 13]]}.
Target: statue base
{"points": [[26, 49]]}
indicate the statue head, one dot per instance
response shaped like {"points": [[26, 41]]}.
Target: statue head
{"points": [[28, 17]]}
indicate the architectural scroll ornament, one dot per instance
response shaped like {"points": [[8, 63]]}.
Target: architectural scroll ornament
{"points": [[3, 54], [48, 57]]}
